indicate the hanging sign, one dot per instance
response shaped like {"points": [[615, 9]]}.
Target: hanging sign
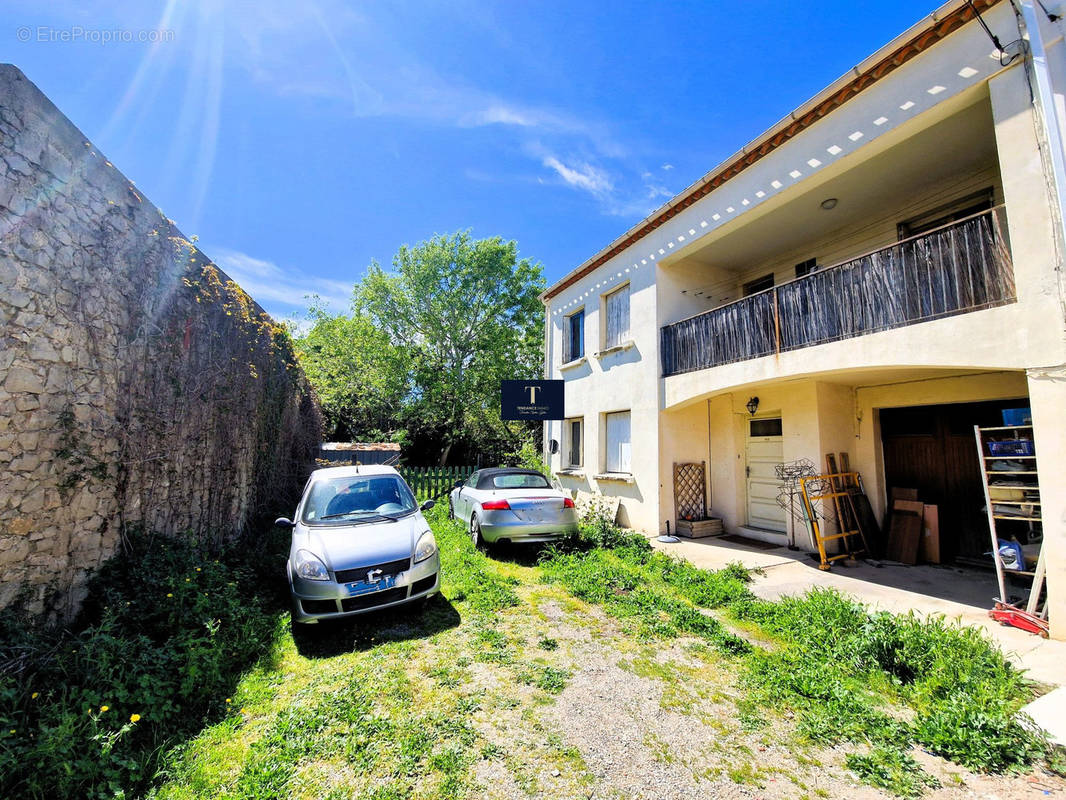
{"points": [[536, 399]]}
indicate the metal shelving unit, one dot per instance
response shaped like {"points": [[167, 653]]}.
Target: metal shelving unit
{"points": [[1033, 617]]}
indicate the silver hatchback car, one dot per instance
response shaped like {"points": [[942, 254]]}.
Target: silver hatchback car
{"points": [[359, 543]]}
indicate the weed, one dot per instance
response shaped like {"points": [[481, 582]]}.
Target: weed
{"points": [[888, 767], [841, 666], [551, 679]]}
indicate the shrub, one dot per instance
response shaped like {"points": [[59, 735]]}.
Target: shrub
{"points": [[157, 649], [959, 689], [892, 769]]}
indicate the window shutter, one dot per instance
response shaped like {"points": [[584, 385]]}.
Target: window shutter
{"points": [[617, 317], [618, 443]]}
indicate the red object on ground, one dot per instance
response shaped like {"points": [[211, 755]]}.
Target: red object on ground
{"points": [[1009, 615]]}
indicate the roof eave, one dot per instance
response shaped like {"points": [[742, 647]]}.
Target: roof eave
{"points": [[908, 44]]}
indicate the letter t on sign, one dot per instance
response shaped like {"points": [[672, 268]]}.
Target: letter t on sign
{"points": [[533, 393]]}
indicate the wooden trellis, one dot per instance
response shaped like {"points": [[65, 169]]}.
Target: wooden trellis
{"points": [[690, 491]]}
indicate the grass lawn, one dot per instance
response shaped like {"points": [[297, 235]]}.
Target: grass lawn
{"points": [[604, 670]]}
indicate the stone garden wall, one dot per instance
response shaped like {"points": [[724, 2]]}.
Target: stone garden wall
{"points": [[139, 386]]}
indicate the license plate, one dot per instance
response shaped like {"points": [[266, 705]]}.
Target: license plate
{"points": [[366, 587]]}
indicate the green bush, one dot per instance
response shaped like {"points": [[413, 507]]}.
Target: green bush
{"points": [[839, 664], [160, 644], [892, 769]]}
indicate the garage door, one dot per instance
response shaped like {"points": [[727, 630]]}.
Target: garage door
{"points": [[932, 449]]}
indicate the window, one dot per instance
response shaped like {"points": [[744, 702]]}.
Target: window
{"points": [[806, 267], [520, 481], [759, 285], [575, 337], [943, 215], [350, 497], [769, 426], [618, 442], [574, 442], [616, 306]]}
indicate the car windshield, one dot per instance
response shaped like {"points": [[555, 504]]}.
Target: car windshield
{"points": [[520, 481], [355, 497]]}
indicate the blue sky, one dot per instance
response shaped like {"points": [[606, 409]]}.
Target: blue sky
{"points": [[301, 140]]}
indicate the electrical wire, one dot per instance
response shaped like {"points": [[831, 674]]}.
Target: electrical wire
{"points": [[1005, 55], [1051, 17]]}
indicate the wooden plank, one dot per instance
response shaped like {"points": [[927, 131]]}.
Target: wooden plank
{"points": [[904, 536], [929, 550], [865, 520]]}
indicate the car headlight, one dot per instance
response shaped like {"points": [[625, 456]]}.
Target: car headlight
{"points": [[310, 566], [426, 547]]}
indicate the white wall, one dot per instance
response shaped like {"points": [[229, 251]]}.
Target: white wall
{"points": [[624, 380]]}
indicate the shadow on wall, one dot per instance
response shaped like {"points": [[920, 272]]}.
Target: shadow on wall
{"points": [[623, 491], [627, 355], [581, 369]]}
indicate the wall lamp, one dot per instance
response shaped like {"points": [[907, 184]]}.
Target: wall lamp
{"points": [[752, 405]]}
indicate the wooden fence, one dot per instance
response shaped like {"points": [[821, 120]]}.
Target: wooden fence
{"points": [[427, 482]]}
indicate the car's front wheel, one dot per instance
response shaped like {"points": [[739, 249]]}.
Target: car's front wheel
{"points": [[475, 533]]}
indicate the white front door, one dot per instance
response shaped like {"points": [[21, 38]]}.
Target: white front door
{"points": [[765, 451]]}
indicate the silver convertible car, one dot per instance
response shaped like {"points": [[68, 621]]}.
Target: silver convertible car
{"points": [[359, 543], [514, 505]]}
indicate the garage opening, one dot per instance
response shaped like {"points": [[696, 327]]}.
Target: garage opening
{"points": [[932, 449]]}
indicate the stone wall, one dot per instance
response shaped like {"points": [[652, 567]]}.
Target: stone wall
{"points": [[139, 387]]}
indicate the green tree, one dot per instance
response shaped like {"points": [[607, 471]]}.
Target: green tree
{"points": [[464, 314], [359, 376]]}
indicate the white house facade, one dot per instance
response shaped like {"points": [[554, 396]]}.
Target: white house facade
{"points": [[876, 274]]}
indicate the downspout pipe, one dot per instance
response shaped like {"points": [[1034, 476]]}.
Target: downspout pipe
{"points": [[546, 426], [1048, 114]]}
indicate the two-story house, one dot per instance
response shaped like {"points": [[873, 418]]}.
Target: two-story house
{"points": [[875, 274]]}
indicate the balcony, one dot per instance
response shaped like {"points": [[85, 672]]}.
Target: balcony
{"points": [[955, 269]]}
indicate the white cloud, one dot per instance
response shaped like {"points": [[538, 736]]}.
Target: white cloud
{"points": [[501, 115], [667, 167], [280, 291], [581, 176]]}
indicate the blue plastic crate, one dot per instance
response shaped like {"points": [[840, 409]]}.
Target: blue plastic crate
{"points": [[1017, 416]]}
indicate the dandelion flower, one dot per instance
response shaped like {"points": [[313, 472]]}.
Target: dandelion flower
{"points": [[12, 731], [170, 594], [187, 580], [135, 717], [228, 700], [34, 695], [103, 709]]}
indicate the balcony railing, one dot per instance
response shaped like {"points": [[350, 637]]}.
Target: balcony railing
{"points": [[961, 267]]}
